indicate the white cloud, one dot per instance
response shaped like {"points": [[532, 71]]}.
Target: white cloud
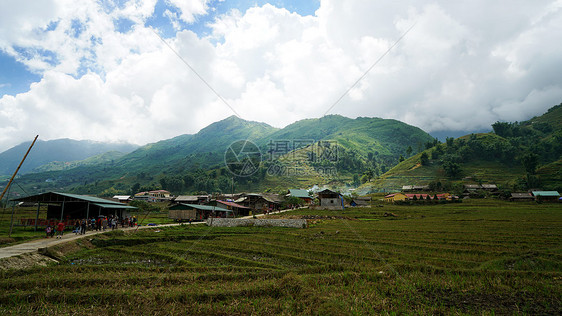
{"points": [[464, 65], [190, 8]]}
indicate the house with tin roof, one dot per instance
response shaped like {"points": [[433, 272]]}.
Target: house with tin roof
{"points": [[301, 194], [546, 196]]}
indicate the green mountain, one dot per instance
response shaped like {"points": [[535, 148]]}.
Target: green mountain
{"points": [[516, 156], [203, 149], [190, 163], [385, 137], [61, 150], [104, 158]]}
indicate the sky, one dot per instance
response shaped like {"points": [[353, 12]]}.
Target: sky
{"points": [[140, 71]]}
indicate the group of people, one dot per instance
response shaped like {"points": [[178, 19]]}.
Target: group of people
{"points": [[58, 228], [102, 223]]}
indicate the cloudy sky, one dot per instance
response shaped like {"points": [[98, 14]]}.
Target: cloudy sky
{"points": [[146, 70]]}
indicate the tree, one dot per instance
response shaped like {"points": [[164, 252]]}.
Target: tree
{"points": [[356, 180], [503, 129], [370, 173], [435, 185], [409, 151], [292, 201], [135, 188], [424, 159], [530, 161], [364, 179], [452, 169], [401, 158], [145, 206]]}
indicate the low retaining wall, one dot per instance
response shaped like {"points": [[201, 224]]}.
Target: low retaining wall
{"points": [[239, 222], [327, 208]]}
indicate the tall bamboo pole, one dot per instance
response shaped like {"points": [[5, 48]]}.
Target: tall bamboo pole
{"points": [[19, 166]]}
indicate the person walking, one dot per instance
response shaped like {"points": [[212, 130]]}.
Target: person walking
{"points": [[104, 223], [60, 230], [48, 230], [77, 227], [83, 226]]}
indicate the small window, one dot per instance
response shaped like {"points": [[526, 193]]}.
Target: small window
{"points": [[332, 201]]}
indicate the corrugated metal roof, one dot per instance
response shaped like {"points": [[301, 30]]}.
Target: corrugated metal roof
{"points": [[521, 195], [299, 193], [186, 198], [122, 197], [206, 207], [114, 206], [46, 197], [232, 204], [546, 193], [88, 198]]}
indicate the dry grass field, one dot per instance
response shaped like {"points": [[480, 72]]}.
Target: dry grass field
{"points": [[478, 257]]}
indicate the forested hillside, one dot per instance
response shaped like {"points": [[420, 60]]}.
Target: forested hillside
{"points": [[59, 150], [193, 163], [518, 156]]}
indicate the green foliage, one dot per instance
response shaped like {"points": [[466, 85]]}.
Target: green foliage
{"points": [[530, 162], [424, 159], [189, 163], [67, 152], [292, 201], [145, 206], [503, 157], [409, 151]]}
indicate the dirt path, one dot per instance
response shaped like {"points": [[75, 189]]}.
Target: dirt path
{"points": [[35, 245]]}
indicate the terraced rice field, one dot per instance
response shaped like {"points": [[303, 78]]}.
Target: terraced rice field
{"points": [[469, 258]]}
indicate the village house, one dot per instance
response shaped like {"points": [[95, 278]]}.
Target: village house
{"points": [[153, 196], [184, 211], [301, 194], [419, 196], [239, 210], [330, 200], [260, 202], [521, 197], [546, 196], [361, 201], [442, 196], [473, 189], [122, 198], [395, 197], [192, 199], [227, 196], [67, 207], [412, 188]]}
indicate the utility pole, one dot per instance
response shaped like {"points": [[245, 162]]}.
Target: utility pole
{"points": [[19, 166], [10, 182]]}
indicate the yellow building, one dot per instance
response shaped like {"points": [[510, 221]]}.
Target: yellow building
{"points": [[395, 197]]}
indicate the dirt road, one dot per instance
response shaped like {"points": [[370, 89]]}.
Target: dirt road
{"points": [[35, 245]]}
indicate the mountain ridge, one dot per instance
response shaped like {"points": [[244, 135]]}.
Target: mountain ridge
{"points": [[364, 141], [62, 150], [516, 156]]}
